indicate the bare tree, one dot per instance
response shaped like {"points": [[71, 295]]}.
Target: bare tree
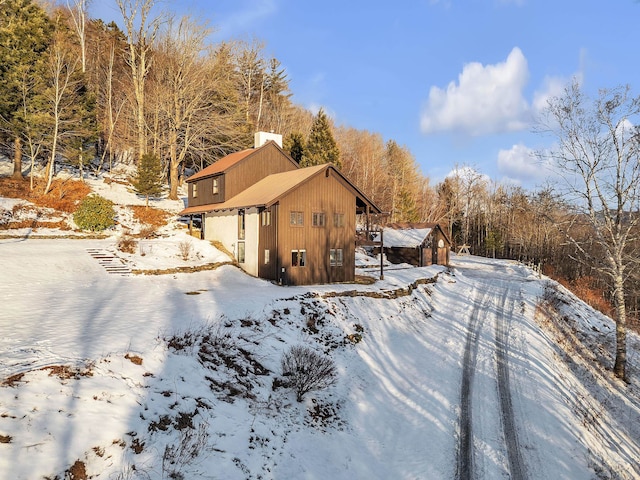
{"points": [[79, 16], [34, 121], [112, 104], [183, 82], [59, 98], [597, 155], [141, 30], [251, 73]]}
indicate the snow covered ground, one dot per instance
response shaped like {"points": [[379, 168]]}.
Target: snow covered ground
{"points": [[460, 373], [483, 370]]}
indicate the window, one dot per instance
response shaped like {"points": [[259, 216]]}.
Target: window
{"points": [[266, 218], [240, 252], [298, 258], [297, 219], [335, 257], [266, 256], [241, 224], [318, 219], [215, 186], [194, 190], [338, 219]]}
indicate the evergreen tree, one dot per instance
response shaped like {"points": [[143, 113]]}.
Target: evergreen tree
{"points": [[294, 146], [148, 181], [25, 34], [321, 146]]}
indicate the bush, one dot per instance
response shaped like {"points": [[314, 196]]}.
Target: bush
{"points": [[185, 248], [127, 243], [305, 370], [95, 213]]}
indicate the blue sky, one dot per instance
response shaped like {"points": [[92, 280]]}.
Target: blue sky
{"points": [[456, 82]]}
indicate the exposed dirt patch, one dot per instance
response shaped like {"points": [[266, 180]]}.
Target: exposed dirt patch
{"points": [[171, 271], [135, 359], [66, 372], [12, 380]]}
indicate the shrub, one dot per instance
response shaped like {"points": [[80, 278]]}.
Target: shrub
{"points": [[150, 216], [305, 370], [127, 243], [95, 213], [185, 248]]}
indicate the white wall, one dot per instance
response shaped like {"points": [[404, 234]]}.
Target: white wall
{"points": [[223, 227], [251, 224]]}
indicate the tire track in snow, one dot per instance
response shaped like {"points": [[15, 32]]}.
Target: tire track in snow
{"points": [[464, 462], [509, 430]]}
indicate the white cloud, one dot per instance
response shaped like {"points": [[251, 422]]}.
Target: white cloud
{"points": [[486, 99], [552, 87], [521, 163], [241, 21], [468, 174]]}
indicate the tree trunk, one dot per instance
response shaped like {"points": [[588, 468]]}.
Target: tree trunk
{"points": [[620, 365], [174, 165], [17, 159]]}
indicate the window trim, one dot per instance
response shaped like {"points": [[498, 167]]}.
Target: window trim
{"points": [[265, 217], [318, 219], [338, 220], [336, 257], [194, 190], [241, 257], [242, 228], [215, 189], [296, 218], [301, 258]]}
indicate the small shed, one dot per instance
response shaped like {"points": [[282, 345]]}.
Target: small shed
{"points": [[418, 244]]}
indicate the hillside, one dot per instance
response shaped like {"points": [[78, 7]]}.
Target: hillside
{"points": [[483, 370]]}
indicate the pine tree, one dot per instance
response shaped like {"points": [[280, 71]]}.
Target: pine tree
{"points": [[294, 146], [148, 181], [321, 146], [25, 35]]}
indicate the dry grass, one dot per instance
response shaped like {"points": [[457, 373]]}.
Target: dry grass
{"points": [[65, 372], [586, 289], [127, 243], [65, 195], [150, 216], [12, 380], [135, 359]]}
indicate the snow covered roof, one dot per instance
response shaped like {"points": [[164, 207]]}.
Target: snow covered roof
{"points": [[405, 237]]}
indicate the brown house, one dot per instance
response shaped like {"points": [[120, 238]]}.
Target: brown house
{"points": [[418, 244], [288, 224]]}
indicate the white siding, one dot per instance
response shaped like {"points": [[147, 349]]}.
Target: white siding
{"points": [[223, 227], [251, 224]]}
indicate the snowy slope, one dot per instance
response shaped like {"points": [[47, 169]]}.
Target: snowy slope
{"points": [[171, 376], [483, 370]]}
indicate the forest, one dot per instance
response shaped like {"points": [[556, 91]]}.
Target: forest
{"points": [[77, 91]]}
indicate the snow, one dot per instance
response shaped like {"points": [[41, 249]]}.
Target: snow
{"points": [[171, 375], [404, 237]]}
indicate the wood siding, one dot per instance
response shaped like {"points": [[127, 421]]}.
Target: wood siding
{"points": [[237, 178], [421, 256], [322, 194], [205, 191], [267, 240]]}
